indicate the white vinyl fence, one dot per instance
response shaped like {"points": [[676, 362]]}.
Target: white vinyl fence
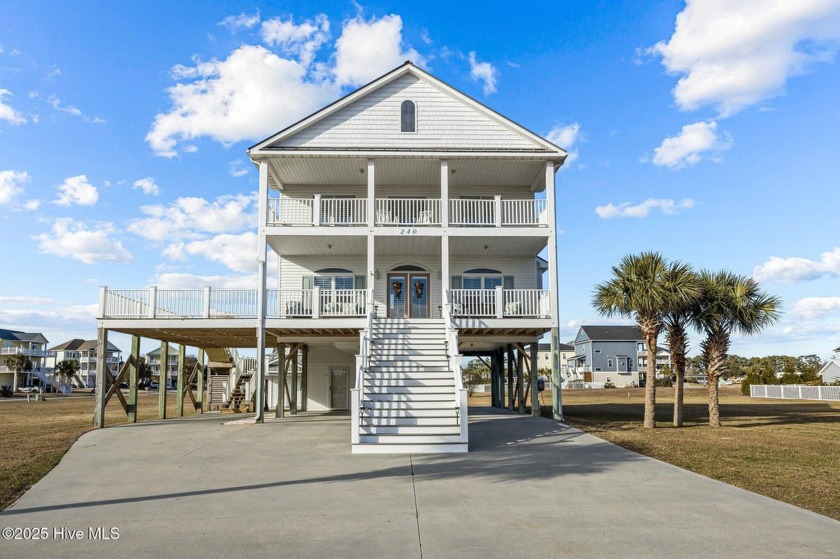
{"points": [[795, 392]]}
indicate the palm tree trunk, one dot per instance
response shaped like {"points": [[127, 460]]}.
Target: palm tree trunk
{"points": [[650, 380], [677, 346], [715, 358]]}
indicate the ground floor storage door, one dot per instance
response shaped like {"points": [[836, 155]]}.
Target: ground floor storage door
{"points": [[339, 388]]}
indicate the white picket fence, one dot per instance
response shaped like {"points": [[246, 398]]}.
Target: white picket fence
{"points": [[795, 392]]}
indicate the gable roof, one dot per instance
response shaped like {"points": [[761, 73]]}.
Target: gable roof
{"points": [[560, 347], [612, 333], [156, 351], [22, 336], [305, 134], [78, 344]]}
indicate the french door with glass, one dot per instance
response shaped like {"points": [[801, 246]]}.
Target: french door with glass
{"points": [[408, 295]]}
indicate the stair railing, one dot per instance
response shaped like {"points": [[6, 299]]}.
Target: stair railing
{"points": [[362, 366], [455, 366]]}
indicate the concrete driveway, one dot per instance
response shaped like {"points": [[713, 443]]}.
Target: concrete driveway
{"points": [[528, 488]]}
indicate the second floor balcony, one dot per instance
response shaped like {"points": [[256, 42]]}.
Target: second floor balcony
{"points": [[29, 352], [397, 212], [207, 303]]}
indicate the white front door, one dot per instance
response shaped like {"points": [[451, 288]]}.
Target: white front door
{"points": [[339, 388]]}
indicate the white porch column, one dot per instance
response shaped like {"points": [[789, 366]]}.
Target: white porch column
{"points": [[371, 268], [445, 275], [552, 242], [371, 192], [259, 395], [444, 193]]}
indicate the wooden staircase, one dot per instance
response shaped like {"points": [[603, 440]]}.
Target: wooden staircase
{"points": [[409, 402]]}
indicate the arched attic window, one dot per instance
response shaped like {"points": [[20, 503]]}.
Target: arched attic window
{"points": [[408, 116]]}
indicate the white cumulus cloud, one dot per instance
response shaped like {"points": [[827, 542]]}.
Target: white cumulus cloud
{"points": [[241, 21], [796, 269], [249, 95], [731, 55], [627, 209], [7, 113], [483, 72], [690, 146], [11, 185], [566, 136], [367, 49], [77, 191], [301, 41], [816, 307], [72, 239], [236, 252], [147, 185], [194, 218], [181, 280]]}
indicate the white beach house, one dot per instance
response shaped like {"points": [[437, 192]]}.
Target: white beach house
{"points": [[408, 220]]}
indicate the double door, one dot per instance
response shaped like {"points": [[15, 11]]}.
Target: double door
{"points": [[408, 295]]}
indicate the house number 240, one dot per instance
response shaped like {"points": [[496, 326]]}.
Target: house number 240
{"points": [[408, 231]]}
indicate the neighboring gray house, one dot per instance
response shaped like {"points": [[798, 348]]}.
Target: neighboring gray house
{"points": [[607, 354], [830, 372]]}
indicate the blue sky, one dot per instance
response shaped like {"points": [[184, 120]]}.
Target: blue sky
{"points": [[706, 131]]}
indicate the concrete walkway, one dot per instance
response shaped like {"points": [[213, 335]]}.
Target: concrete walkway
{"points": [[528, 488]]}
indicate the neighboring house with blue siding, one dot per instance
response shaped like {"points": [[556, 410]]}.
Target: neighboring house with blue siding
{"points": [[607, 354]]}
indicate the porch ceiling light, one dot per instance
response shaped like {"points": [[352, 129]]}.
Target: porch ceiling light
{"points": [[376, 274]]}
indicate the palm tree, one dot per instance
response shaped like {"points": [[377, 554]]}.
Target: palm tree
{"points": [[64, 371], [637, 291], [684, 288], [19, 362], [728, 304]]}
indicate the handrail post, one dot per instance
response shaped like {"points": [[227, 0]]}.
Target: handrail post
{"points": [[500, 300], [206, 310], [497, 202], [316, 211], [152, 301], [103, 297], [316, 302]]}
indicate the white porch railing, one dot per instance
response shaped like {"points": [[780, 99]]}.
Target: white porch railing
{"points": [[230, 303], [495, 212], [343, 302], [290, 211], [526, 302], [343, 211], [524, 212], [500, 303], [29, 352], [362, 365], [407, 211], [795, 392], [473, 212]]}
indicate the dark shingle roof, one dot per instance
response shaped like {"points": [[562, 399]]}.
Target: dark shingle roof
{"points": [[561, 347], [613, 333], [78, 344]]}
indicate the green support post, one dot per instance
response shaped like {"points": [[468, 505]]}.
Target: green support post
{"points": [[133, 378], [179, 398], [556, 396], [535, 396], [163, 377], [510, 367], [101, 379], [520, 381], [199, 387], [293, 396], [493, 383], [281, 380], [304, 379]]}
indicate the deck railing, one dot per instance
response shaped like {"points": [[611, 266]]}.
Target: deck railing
{"points": [[305, 303], [473, 212], [500, 303], [343, 211], [320, 211], [407, 211], [231, 303]]}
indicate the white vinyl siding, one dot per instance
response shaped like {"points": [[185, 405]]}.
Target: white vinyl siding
{"points": [[442, 122]]}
